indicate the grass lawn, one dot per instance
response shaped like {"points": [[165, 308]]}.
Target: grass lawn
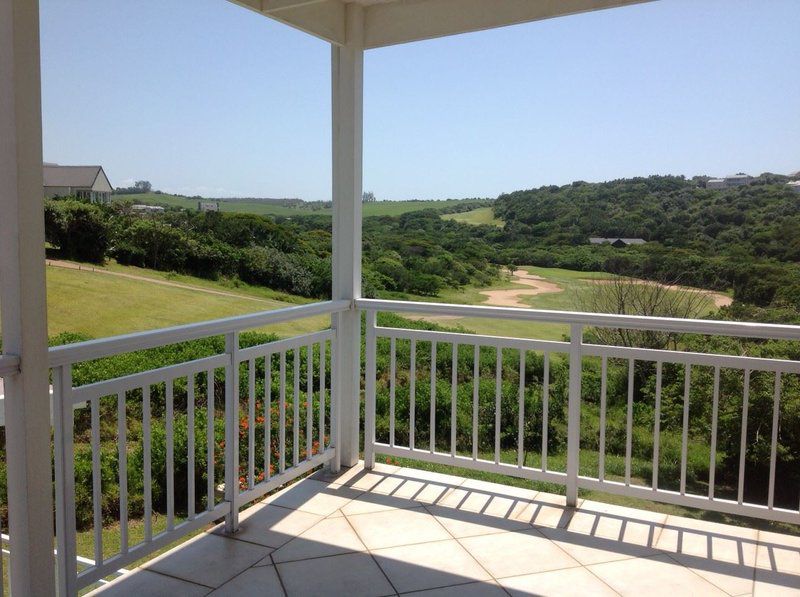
{"points": [[102, 305], [574, 284], [378, 208], [476, 217]]}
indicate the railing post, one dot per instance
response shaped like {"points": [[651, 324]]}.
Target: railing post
{"points": [[335, 463], [63, 424], [574, 413], [232, 431], [369, 390]]}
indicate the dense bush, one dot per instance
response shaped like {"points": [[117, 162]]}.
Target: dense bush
{"points": [[79, 229]]}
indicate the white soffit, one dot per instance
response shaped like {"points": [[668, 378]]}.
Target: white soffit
{"points": [[390, 22]]}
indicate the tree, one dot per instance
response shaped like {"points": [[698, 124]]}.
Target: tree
{"points": [[80, 230], [368, 197], [143, 186]]}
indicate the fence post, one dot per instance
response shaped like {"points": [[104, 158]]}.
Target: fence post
{"points": [[232, 431], [369, 390], [335, 463], [64, 453], [574, 413]]}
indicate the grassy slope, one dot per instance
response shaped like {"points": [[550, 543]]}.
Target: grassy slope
{"points": [[101, 305], [379, 208], [476, 217]]}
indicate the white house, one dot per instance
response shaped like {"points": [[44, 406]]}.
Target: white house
{"points": [[733, 180], [84, 182], [794, 185]]}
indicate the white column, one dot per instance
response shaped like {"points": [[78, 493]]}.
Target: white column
{"points": [[23, 301], [347, 77]]}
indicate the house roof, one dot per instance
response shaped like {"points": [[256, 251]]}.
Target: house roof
{"points": [[597, 240], [388, 22], [70, 176]]}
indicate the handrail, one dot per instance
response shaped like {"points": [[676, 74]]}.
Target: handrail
{"points": [[9, 364], [605, 320], [104, 347]]}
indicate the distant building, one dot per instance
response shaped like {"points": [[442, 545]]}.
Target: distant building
{"points": [[207, 206], [616, 242], [83, 182], [147, 209], [734, 180], [794, 186]]}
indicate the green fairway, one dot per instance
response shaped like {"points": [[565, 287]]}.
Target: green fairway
{"points": [[476, 217], [100, 305], [378, 208]]}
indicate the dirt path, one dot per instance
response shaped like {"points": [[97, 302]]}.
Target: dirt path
{"points": [[78, 266], [511, 297], [720, 300]]}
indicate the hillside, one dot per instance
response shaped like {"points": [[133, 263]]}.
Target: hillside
{"points": [[291, 208]]}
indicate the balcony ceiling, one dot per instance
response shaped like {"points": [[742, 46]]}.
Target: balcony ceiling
{"points": [[389, 22]]}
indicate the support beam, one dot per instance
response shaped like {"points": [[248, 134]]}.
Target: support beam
{"points": [[401, 22], [23, 301], [321, 18], [347, 81]]}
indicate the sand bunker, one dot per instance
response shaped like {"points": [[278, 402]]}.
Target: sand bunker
{"points": [[720, 300], [511, 297]]}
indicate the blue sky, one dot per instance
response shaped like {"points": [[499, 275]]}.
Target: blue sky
{"points": [[205, 97]]}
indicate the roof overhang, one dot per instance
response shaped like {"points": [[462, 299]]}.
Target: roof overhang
{"points": [[390, 22]]}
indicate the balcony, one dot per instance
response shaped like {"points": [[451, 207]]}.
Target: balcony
{"points": [[393, 530], [208, 438]]}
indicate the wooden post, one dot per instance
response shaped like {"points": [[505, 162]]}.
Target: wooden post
{"points": [[347, 75], [23, 301]]}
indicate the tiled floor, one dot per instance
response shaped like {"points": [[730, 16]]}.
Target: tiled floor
{"points": [[393, 531]]}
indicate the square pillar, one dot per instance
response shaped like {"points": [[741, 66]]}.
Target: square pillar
{"points": [[23, 301], [347, 81]]}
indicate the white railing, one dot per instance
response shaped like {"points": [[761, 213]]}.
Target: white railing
{"points": [[9, 365], [574, 354], [175, 392]]}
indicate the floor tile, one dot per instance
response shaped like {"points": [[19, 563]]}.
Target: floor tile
{"points": [[208, 559], [548, 510], [314, 497], [490, 499], [469, 524], [397, 527], [473, 589], [329, 537], [517, 553], [777, 565], [152, 584], [348, 574], [709, 541], [429, 565], [577, 582], [625, 525], [427, 487], [356, 476], [588, 549], [262, 582], [369, 502], [658, 575], [271, 525]]}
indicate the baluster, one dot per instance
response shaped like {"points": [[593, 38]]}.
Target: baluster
{"points": [[170, 457], [369, 389], [657, 426], [498, 390], [296, 409], [773, 453], [122, 446], [545, 408], [685, 430], [476, 380], [322, 367], [743, 439], [392, 378], [232, 464], [601, 468], [521, 411], [412, 391], [309, 399], [433, 398], [282, 415], [190, 445], [210, 440], [574, 413], [64, 453], [629, 423], [147, 464], [97, 489], [712, 465], [453, 399], [251, 423], [267, 416]]}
